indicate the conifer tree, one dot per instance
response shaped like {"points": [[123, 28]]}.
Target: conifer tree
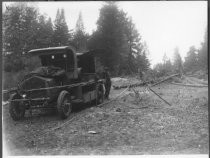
{"points": [[178, 64], [80, 37], [117, 36], [107, 36], [203, 53], [45, 32], [20, 27], [191, 60], [61, 33]]}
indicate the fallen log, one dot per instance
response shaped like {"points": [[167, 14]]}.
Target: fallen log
{"points": [[145, 83], [132, 85], [189, 85], [167, 78]]}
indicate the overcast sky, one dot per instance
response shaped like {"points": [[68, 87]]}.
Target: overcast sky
{"points": [[163, 25]]}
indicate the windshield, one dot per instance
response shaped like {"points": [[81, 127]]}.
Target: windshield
{"points": [[61, 60], [33, 62]]}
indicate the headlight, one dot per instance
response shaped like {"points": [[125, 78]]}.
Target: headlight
{"points": [[24, 95]]}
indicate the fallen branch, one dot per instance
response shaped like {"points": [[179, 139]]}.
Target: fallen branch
{"points": [[139, 107], [114, 98], [190, 85], [145, 83], [132, 85], [164, 80], [61, 125], [159, 96]]}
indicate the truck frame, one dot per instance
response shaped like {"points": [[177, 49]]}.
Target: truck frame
{"points": [[73, 79]]}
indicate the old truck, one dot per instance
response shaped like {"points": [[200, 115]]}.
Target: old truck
{"points": [[64, 78]]}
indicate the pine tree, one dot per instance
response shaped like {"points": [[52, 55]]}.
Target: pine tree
{"points": [[165, 68], [107, 36], [167, 65], [49, 31], [191, 60], [30, 25], [61, 33], [20, 26], [80, 37], [117, 35], [45, 32], [178, 64], [165, 58], [203, 53], [12, 29], [19, 30]]}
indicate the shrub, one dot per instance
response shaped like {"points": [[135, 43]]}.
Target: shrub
{"points": [[11, 79]]}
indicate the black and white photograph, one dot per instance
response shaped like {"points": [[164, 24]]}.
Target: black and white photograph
{"points": [[111, 78]]}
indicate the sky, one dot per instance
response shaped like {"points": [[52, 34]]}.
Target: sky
{"points": [[163, 25]]}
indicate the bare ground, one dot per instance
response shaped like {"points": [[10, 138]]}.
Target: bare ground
{"points": [[129, 125]]}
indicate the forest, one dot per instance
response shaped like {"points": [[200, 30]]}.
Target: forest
{"points": [[25, 28]]}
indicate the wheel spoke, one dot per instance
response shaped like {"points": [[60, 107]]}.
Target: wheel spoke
{"points": [[64, 104]]}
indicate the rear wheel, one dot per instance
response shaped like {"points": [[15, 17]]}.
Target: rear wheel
{"points": [[100, 94], [16, 108], [64, 106]]}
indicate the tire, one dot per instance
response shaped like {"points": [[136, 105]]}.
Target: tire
{"points": [[17, 108], [64, 105], [100, 94]]}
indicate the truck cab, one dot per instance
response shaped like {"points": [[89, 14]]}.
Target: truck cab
{"points": [[64, 58]]}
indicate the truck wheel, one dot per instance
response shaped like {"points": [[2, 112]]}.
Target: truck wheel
{"points": [[16, 108], [64, 105], [100, 94]]}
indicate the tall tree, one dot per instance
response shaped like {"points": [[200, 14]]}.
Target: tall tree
{"points": [[20, 27], [107, 35], [80, 37], [142, 61], [61, 33], [49, 31], [191, 60], [45, 32], [165, 58], [167, 65], [117, 35], [203, 53], [164, 68], [135, 50], [178, 64]]}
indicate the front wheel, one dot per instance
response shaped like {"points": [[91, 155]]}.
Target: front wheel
{"points": [[16, 108], [64, 106]]}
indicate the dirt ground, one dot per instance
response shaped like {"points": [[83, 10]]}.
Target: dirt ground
{"points": [[132, 124]]}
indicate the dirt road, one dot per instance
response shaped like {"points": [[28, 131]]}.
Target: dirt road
{"points": [[129, 125]]}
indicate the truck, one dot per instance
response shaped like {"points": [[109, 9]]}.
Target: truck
{"points": [[64, 78]]}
